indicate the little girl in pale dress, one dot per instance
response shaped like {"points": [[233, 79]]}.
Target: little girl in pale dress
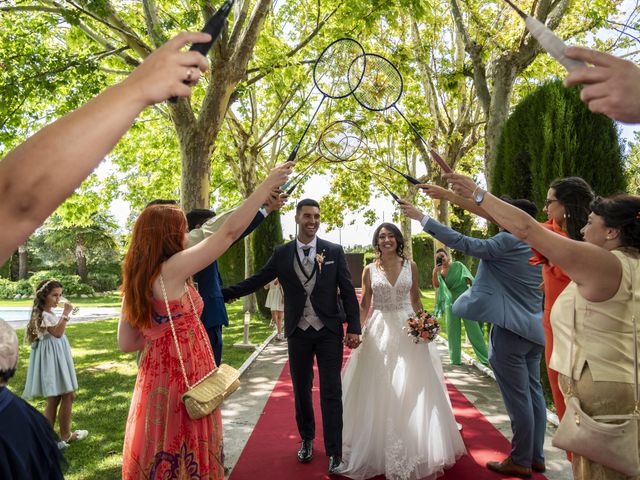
{"points": [[51, 371], [275, 301]]}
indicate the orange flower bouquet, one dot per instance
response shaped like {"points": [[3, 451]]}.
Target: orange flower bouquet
{"points": [[422, 327]]}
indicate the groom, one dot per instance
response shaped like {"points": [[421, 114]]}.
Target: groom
{"points": [[311, 271]]}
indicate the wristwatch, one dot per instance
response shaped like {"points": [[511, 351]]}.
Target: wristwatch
{"points": [[478, 195]]}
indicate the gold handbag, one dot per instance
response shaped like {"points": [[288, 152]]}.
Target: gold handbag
{"points": [[610, 440], [204, 396]]}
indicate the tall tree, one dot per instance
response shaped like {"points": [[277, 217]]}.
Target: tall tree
{"points": [[501, 49], [552, 134]]}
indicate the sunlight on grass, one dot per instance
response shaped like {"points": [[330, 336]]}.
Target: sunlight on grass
{"points": [[106, 377]]}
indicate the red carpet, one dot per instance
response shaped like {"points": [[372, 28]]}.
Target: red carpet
{"points": [[271, 450]]}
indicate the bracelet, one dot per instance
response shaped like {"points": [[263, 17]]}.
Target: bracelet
{"points": [[64, 317]]}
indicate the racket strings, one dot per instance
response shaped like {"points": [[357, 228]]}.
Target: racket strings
{"points": [[336, 72], [381, 86]]}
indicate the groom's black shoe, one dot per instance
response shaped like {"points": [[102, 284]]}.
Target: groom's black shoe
{"points": [[305, 454], [335, 465]]}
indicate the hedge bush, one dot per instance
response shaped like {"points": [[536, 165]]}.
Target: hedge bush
{"points": [[72, 285]]}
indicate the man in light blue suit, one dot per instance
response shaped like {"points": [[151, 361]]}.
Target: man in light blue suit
{"points": [[506, 294]]}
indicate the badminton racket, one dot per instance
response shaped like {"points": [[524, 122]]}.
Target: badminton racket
{"points": [[381, 88], [213, 27], [340, 142], [336, 74], [548, 40]]}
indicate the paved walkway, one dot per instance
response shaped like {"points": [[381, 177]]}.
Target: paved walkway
{"points": [[85, 314], [241, 412]]}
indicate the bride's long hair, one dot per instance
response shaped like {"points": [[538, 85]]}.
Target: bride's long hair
{"points": [[397, 235]]}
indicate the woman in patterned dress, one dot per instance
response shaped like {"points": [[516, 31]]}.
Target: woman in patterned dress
{"points": [[161, 440]]}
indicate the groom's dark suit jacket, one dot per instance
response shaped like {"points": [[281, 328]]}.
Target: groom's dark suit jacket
{"points": [[331, 275]]}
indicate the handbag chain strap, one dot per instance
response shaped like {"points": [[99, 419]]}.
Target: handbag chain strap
{"points": [[175, 337], [636, 390]]}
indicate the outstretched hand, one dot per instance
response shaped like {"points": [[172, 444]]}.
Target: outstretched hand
{"points": [[461, 184], [611, 86], [435, 191], [163, 73], [410, 210], [278, 176]]}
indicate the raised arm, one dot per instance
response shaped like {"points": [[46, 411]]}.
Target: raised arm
{"points": [[45, 169], [186, 263], [439, 193], [596, 270], [476, 247], [274, 203]]}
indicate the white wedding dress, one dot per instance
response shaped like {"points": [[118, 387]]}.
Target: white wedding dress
{"points": [[397, 415]]}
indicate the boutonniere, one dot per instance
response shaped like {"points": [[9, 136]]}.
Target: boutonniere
{"points": [[320, 260]]}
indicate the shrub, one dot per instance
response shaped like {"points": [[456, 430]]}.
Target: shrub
{"points": [[104, 282], [7, 288], [72, 284]]}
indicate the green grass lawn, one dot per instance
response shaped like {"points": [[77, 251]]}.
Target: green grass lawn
{"points": [[111, 299], [106, 377]]}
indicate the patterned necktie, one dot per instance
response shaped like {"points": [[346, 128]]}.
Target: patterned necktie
{"points": [[306, 261]]}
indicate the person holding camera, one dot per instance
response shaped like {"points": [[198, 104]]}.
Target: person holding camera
{"points": [[452, 279]]}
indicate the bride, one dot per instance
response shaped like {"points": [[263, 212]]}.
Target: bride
{"points": [[398, 418]]}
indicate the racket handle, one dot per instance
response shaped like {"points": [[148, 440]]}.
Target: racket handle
{"points": [[174, 100], [213, 27], [553, 44], [293, 154], [440, 161], [415, 181]]}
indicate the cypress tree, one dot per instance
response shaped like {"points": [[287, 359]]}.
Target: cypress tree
{"points": [[552, 134]]}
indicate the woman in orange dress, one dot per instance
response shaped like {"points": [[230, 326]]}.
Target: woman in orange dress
{"points": [[161, 440], [567, 207]]}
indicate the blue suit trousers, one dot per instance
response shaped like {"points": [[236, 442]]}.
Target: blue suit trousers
{"points": [[516, 364]]}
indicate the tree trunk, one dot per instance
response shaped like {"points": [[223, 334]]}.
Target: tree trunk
{"points": [[405, 228], [23, 262], [14, 267], [249, 302], [81, 259], [503, 79]]}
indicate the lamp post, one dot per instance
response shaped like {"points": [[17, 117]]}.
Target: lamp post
{"points": [[245, 340]]}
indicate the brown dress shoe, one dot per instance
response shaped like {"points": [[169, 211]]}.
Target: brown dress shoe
{"points": [[539, 467], [507, 467]]}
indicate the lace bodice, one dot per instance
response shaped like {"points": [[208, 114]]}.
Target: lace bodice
{"points": [[388, 297]]}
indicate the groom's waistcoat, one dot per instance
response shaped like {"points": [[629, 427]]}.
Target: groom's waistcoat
{"points": [[309, 316]]}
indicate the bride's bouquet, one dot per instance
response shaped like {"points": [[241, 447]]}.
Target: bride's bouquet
{"points": [[422, 327]]}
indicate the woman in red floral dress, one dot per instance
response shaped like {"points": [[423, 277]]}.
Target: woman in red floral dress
{"points": [[161, 440]]}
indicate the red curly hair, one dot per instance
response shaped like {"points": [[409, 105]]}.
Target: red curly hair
{"points": [[157, 235]]}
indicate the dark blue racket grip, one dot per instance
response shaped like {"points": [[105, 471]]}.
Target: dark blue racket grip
{"points": [[213, 27]]}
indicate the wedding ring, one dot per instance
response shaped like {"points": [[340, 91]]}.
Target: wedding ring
{"points": [[189, 74]]}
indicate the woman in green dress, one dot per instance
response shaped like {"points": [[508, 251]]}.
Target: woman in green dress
{"points": [[451, 279]]}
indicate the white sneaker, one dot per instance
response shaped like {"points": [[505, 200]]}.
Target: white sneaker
{"points": [[62, 445]]}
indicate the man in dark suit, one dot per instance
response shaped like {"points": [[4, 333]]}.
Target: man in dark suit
{"points": [[311, 271], [506, 294], [209, 282]]}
